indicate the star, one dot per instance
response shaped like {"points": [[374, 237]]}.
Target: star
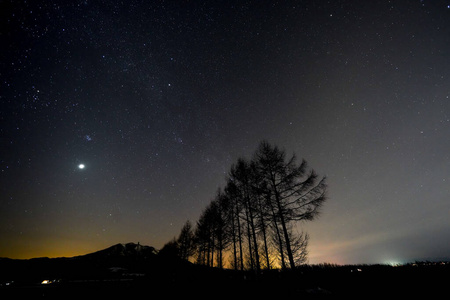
{"points": [[81, 166]]}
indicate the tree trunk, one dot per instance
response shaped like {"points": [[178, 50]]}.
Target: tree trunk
{"points": [[249, 237], [252, 223], [263, 229], [233, 232], [285, 232], [239, 237], [280, 241]]}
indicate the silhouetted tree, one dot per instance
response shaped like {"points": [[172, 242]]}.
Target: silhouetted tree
{"points": [[299, 244], [258, 211], [221, 226], [276, 231], [186, 246], [294, 193], [170, 249], [262, 211], [203, 238], [235, 227], [241, 176], [211, 233]]}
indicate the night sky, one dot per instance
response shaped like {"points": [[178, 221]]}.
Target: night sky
{"points": [[157, 99]]}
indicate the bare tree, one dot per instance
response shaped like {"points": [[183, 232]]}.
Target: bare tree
{"points": [[186, 246], [257, 213], [299, 244], [241, 176], [170, 249], [221, 207], [235, 227], [203, 237], [294, 193]]}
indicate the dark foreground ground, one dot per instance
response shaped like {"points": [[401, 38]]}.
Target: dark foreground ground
{"points": [[133, 270], [189, 280]]}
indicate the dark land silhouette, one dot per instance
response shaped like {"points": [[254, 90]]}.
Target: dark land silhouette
{"points": [[135, 270]]}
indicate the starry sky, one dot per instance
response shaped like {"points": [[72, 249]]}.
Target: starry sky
{"points": [[157, 99]]}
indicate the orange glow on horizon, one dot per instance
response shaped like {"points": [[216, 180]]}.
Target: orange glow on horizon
{"points": [[50, 249]]}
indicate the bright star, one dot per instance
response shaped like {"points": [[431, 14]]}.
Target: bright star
{"points": [[81, 166]]}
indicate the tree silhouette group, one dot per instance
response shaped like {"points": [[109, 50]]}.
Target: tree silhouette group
{"points": [[253, 220]]}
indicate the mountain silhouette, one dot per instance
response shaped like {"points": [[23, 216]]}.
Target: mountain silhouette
{"points": [[114, 261], [120, 253], [123, 250]]}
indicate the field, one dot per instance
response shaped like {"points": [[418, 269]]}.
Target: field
{"points": [[180, 279]]}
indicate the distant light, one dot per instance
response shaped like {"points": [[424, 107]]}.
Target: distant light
{"points": [[393, 263], [81, 166]]}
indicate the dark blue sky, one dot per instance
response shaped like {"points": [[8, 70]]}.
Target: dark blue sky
{"points": [[157, 99]]}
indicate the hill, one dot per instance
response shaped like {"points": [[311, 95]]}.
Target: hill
{"points": [[98, 264], [121, 268], [122, 250]]}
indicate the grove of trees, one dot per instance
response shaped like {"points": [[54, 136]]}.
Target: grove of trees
{"points": [[252, 223]]}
